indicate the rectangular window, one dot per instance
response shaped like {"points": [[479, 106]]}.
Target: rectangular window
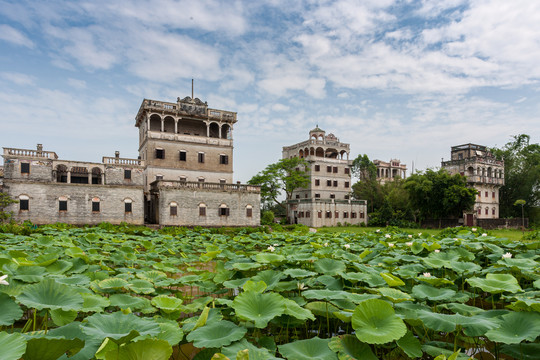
{"points": [[95, 206], [159, 177], [160, 153], [353, 215], [328, 182], [319, 214], [493, 211], [335, 169], [361, 215], [201, 179], [317, 167], [486, 194], [127, 174], [328, 214], [201, 157], [347, 171], [223, 159], [249, 212], [493, 194], [183, 155], [308, 214], [346, 184], [62, 205], [183, 178], [25, 168], [173, 210], [317, 196], [479, 211], [346, 197], [487, 211], [329, 169], [127, 207], [24, 204], [222, 181], [297, 196], [345, 215], [335, 183], [336, 215], [202, 210], [317, 182], [332, 196], [223, 211]]}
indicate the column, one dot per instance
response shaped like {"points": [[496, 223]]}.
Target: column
{"points": [[90, 177], [176, 126], [162, 125], [207, 130], [69, 177], [219, 133], [102, 178]]}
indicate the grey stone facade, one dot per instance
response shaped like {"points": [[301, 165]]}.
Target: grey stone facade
{"points": [[180, 144]]}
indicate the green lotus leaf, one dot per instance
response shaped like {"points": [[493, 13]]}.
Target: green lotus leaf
{"points": [[516, 327], [73, 331], [152, 276], [375, 322], [270, 277], [141, 286], [440, 322], [148, 349], [10, 312], [213, 315], [125, 301], [268, 258], [394, 295], [463, 309], [348, 347], [253, 286], [259, 308], [118, 326], [30, 274], [314, 348], [216, 334], [59, 267], [410, 345], [435, 281], [298, 273], [476, 325], [170, 331], [253, 352], [94, 303], [321, 308], [61, 317], [46, 259], [13, 345], [392, 280], [522, 264], [440, 353], [525, 351], [325, 294], [13, 289], [75, 280], [167, 304], [246, 266], [496, 283], [462, 267], [49, 294], [373, 280], [427, 292], [296, 311], [236, 283], [112, 283], [329, 266], [44, 348], [441, 259]]}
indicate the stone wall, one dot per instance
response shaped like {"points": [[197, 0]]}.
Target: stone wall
{"points": [[323, 213], [44, 203], [114, 175], [40, 169]]}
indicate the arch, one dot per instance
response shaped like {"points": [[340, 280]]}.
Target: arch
{"points": [[489, 172], [321, 136], [306, 152], [192, 127], [202, 209], [314, 136], [155, 122], [311, 151], [319, 152], [226, 131], [61, 173], [223, 210], [24, 197], [249, 210], [331, 153], [214, 130], [96, 175], [342, 154], [168, 124], [470, 171], [301, 153]]}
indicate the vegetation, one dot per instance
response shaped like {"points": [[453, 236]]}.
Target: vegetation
{"points": [[107, 294], [5, 201]]}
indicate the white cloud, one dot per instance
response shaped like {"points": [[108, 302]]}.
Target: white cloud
{"points": [[18, 78], [14, 36], [76, 83]]}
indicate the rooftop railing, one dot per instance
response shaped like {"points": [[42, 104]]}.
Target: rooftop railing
{"points": [[179, 184], [122, 161], [30, 153]]}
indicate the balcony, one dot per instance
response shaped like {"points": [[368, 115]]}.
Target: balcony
{"points": [[30, 153], [197, 185]]}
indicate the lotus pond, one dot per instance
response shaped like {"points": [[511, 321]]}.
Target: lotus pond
{"points": [[97, 294]]}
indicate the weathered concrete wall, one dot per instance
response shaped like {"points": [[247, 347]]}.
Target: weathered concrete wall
{"points": [[190, 175], [188, 201], [44, 203], [299, 211], [40, 170], [114, 175]]}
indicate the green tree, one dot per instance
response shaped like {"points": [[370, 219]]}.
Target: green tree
{"points": [[371, 191], [5, 201], [521, 176], [437, 194], [363, 168], [284, 176]]}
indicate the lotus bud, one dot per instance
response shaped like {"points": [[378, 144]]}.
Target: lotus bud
{"points": [[507, 255], [271, 248], [3, 280]]}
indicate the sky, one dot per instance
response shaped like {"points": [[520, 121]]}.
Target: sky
{"points": [[403, 79]]}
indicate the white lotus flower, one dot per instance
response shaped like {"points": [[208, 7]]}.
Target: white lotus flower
{"points": [[301, 286], [390, 245], [473, 229], [3, 280], [347, 246], [325, 244], [426, 274], [271, 248], [437, 250], [410, 236], [388, 236], [484, 234], [276, 245], [409, 243], [507, 255], [419, 234]]}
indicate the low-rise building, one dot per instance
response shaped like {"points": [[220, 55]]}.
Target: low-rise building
{"points": [[388, 171]]}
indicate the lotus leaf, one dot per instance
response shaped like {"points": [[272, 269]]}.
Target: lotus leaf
{"points": [[348, 347], [170, 331], [394, 295], [125, 301], [435, 281], [94, 303], [192, 323], [298, 273], [441, 259], [141, 286], [375, 322], [147, 349], [325, 294], [10, 310], [112, 283], [49, 294], [118, 326], [46, 259], [410, 345], [427, 292], [59, 267], [44, 348], [258, 287], [522, 264], [253, 352], [314, 348], [61, 317], [496, 283], [515, 327], [259, 308], [216, 334], [152, 276], [296, 311], [246, 266], [13, 345], [269, 258], [30, 274], [392, 280], [321, 308], [167, 304], [329, 266], [525, 351]]}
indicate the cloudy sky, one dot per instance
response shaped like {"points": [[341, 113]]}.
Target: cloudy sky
{"points": [[399, 79]]}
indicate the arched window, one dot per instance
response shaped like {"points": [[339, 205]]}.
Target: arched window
{"points": [[24, 203], [62, 204], [223, 210], [173, 209], [249, 211], [202, 209], [96, 205], [128, 206]]}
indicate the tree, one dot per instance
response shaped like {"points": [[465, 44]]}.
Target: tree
{"points": [[521, 176], [363, 168], [5, 201], [285, 176], [437, 194]]}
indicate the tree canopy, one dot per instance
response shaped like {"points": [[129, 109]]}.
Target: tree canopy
{"points": [[363, 168], [437, 194], [521, 176], [5, 201], [284, 176]]}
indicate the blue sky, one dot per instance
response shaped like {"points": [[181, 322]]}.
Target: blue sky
{"points": [[394, 78]]}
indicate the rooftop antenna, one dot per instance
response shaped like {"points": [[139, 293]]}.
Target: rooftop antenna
{"points": [[192, 89]]}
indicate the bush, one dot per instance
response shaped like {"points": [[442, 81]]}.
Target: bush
{"points": [[267, 217]]}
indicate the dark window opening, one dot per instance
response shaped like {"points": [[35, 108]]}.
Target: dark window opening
{"points": [[328, 182], [308, 214], [345, 215], [201, 179], [24, 204], [79, 179], [332, 196], [317, 182], [173, 210], [160, 153], [25, 168], [346, 184], [223, 211], [335, 183], [319, 214], [201, 157], [223, 159], [361, 215], [317, 196], [127, 207], [249, 212], [62, 205], [353, 215], [336, 215], [183, 156], [328, 214], [95, 206], [329, 169], [127, 174], [317, 168], [347, 171], [297, 196], [202, 210], [335, 169]]}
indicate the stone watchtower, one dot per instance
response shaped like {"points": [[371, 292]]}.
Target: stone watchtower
{"points": [[185, 141], [483, 172], [326, 201]]}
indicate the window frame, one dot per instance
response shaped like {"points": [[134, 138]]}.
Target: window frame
{"points": [[182, 155], [25, 171], [127, 174], [200, 157], [160, 153]]}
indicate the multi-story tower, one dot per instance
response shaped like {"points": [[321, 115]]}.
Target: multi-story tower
{"points": [[483, 172], [326, 201], [387, 171], [185, 141]]}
